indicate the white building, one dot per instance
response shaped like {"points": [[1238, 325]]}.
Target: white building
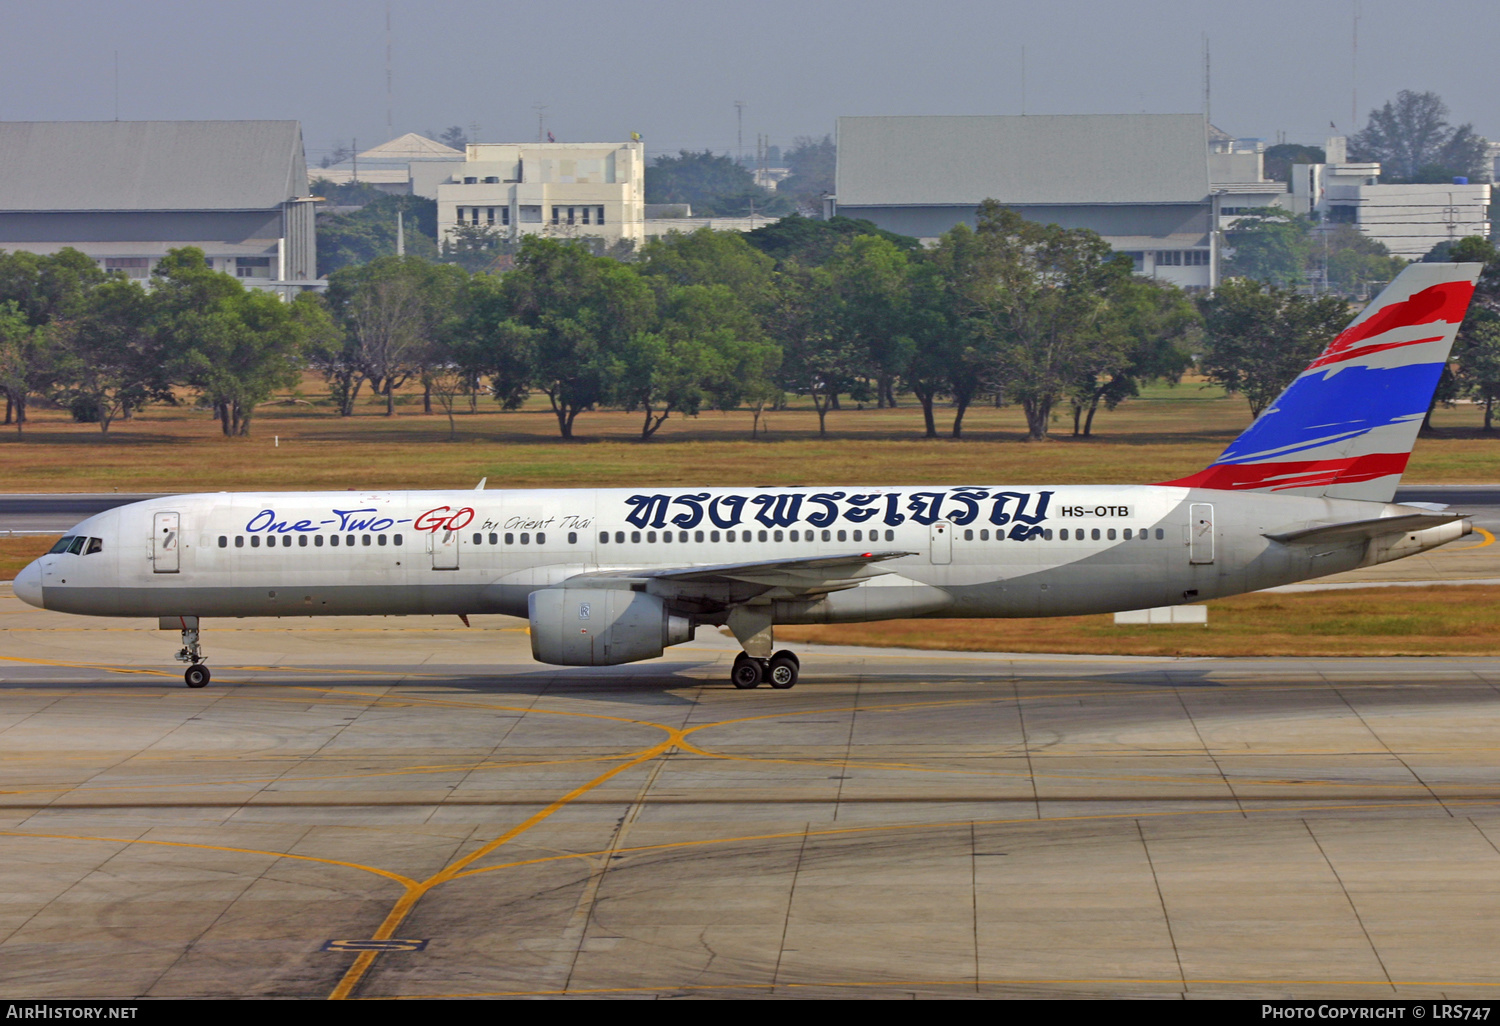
{"points": [[1237, 172], [1408, 219], [401, 167], [566, 190]]}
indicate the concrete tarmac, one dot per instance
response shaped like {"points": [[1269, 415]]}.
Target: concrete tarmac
{"points": [[898, 824]]}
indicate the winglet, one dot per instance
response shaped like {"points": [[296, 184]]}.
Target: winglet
{"points": [[480, 486]]}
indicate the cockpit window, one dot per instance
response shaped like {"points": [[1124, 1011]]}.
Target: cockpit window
{"points": [[76, 546], [62, 544], [95, 545]]}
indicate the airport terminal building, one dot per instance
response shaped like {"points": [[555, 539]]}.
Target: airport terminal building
{"points": [[1142, 181], [126, 192]]}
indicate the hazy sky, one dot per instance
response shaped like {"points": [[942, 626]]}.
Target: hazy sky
{"points": [[673, 70]]}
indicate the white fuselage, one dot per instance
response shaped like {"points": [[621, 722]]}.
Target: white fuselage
{"points": [[984, 551]]}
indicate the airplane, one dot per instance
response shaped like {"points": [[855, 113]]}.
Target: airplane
{"points": [[610, 576]]}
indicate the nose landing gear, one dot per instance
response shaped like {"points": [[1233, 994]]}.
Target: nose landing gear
{"points": [[196, 675]]}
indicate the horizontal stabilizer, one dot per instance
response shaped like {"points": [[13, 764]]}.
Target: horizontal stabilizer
{"points": [[1364, 528]]}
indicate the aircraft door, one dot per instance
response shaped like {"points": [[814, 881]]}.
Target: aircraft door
{"points": [[165, 541], [941, 540], [443, 544], [1201, 533]]}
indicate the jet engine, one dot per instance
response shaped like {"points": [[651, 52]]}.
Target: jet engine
{"points": [[601, 626]]}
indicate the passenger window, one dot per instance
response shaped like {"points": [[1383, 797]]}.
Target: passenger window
{"points": [[364, 539], [635, 537], [890, 535], [1127, 534], [572, 537], [62, 545], [239, 541], [478, 538], [682, 536], [1111, 534], [334, 541], [604, 537], [713, 535], [510, 539], [697, 536], [763, 536], [95, 545], [969, 534], [776, 535], [984, 534], [223, 541], [1095, 533], [317, 541], [857, 535], [396, 539], [525, 538], [1160, 534], [286, 541], [255, 541], [349, 540], [302, 541], [827, 535], [380, 539], [541, 539], [650, 536], [843, 536], [729, 536], [619, 537]]}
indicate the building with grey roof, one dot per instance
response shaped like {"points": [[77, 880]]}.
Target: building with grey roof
{"points": [[1142, 181], [126, 192]]}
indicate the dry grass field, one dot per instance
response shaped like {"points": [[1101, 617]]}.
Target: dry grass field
{"points": [[298, 445], [1408, 621]]}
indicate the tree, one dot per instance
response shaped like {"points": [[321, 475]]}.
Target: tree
{"points": [[393, 310], [711, 184], [813, 243], [1413, 141], [1270, 246], [345, 194], [1032, 298], [1259, 337], [572, 314], [1146, 323], [1355, 262], [111, 361], [235, 346], [370, 232], [455, 137], [819, 359], [869, 279], [1280, 158], [42, 290], [476, 247], [1476, 350], [813, 162]]}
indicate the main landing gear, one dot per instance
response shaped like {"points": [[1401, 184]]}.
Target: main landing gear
{"points": [[196, 675], [780, 671]]}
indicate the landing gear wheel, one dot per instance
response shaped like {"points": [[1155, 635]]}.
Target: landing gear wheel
{"points": [[782, 671], [747, 672], [197, 676]]}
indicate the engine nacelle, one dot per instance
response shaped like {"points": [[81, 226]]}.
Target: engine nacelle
{"points": [[601, 626]]}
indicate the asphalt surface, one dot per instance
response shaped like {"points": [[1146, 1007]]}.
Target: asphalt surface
{"points": [[899, 824]]}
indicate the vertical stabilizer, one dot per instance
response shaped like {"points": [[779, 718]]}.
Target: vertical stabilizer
{"points": [[1345, 428]]}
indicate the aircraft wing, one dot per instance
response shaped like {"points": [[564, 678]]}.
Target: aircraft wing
{"points": [[798, 576], [1363, 528]]}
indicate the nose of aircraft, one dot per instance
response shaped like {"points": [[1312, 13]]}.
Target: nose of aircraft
{"points": [[28, 585]]}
